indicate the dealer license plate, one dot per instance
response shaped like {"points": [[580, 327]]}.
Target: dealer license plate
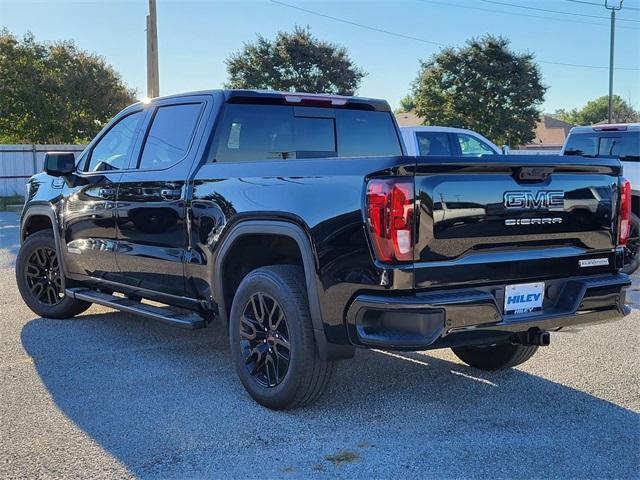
{"points": [[523, 298]]}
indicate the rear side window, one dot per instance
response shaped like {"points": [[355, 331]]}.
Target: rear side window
{"points": [[433, 143], [170, 135], [604, 144], [273, 132]]}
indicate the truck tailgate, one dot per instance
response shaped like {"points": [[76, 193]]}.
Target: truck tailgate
{"points": [[508, 218]]}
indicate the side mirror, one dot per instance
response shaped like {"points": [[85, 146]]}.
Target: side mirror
{"points": [[59, 164], [505, 149]]}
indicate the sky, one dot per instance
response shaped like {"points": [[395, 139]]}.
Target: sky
{"points": [[195, 38]]}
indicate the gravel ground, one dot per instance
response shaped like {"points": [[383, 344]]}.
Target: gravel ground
{"points": [[112, 395]]}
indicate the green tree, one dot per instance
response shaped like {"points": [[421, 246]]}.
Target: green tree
{"points": [[483, 86], [55, 93], [295, 61], [407, 104], [596, 111]]}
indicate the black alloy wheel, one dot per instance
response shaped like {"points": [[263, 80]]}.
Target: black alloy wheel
{"points": [[41, 281], [272, 340], [42, 276], [632, 248], [264, 340]]}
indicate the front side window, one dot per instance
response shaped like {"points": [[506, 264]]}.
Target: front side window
{"points": [[170, 135], [112, 151], [472, 146], [433, 144]]}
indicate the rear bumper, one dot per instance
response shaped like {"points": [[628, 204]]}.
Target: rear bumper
{"points": [[475, 316]]}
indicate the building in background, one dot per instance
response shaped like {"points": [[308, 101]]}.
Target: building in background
{"points": [[550, 134]]}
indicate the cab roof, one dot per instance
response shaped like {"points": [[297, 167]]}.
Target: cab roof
{"points": [[608, 127], [273, 97]]}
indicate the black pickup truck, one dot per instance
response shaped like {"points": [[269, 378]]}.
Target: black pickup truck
{"points": [[299, 222]]}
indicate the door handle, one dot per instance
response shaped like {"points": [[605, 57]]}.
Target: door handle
{"points": [[106, 193], [169, 194]]}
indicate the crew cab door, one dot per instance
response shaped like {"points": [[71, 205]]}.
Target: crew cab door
{"points": [[89, 207], [152, 197]]}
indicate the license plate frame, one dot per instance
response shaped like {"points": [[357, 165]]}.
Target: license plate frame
{"points": [[523, 298]]}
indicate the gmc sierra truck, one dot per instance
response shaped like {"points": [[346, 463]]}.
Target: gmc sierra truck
{"points": [[299, 222]]}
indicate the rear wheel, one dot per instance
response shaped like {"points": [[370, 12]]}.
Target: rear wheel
{"points": [[632, 257], [272, 341], [40, 280], [495, 357]]}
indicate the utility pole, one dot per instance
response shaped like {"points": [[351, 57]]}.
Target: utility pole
{"points": [[613, 9], [153, 80]]}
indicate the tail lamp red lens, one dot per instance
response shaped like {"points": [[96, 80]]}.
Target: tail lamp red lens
{"points": [[625, 212], [390, 217]]}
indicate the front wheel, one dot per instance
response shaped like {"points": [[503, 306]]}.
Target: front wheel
{"points": [[40, 280], [495, 357], [272, 341]]}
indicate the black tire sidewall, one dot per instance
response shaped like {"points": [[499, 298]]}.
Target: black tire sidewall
{"points": [[296, 314], [495, 357], [632, 264]]}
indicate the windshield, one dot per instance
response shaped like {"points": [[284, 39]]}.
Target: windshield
{"points": [[624, 145]]}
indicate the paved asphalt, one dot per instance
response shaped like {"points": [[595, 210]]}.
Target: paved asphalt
{"points": [[112, 395]]}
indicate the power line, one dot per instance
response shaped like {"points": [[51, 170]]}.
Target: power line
{"points": [[360, 25], [519, 14], [555, 11], [409, 37], [584, 2]]}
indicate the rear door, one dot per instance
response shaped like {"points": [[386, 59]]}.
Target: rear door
{"points": [[151, 203], [506, 218]]}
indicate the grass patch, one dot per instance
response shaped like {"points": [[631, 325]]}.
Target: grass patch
{"points": [[343, 456], [13, 200]]}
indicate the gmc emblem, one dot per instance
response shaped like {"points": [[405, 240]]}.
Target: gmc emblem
{"points": [[540, 200]]}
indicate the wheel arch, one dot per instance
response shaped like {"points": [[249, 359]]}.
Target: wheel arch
{"points": [[34, 219], [295, 233]]}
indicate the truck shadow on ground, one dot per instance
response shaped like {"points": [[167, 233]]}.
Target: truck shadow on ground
{"points": [[167, 403]]}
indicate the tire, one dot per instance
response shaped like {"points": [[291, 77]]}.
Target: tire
{"points": [[275, 298], [40, 280], [632, 257], [495, 357]]}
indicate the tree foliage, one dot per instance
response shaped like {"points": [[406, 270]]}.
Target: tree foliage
{"points": [[483, 86], [55, 93], [596, 111], [407, 103], [295, 61]]}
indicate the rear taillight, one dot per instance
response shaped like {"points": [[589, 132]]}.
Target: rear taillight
{"points": [[625, 212], [390, 218]]}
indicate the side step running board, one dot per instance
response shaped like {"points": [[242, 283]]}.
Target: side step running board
{"points": [[163, 314]]}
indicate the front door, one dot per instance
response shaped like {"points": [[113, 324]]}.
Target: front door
{"points": [[151, 203], [89, 205]]}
